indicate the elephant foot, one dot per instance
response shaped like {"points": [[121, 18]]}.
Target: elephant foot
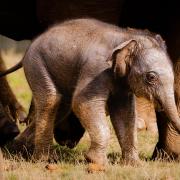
{"points": [[163, 155], [47, 155], [93, 168], [132, 162], [24, 149], [24, 143], [168, 146], [99, 158], [131, 158]]}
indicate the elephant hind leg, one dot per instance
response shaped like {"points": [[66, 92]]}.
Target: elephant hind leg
{"points": [[46, 99]]}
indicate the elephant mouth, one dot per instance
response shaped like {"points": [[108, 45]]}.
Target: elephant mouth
{"points": [[158, 105]]}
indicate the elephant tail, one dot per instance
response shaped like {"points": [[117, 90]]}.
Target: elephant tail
{"points": [[12, 69]]}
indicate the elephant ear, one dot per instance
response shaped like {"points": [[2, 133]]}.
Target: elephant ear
{"points": [[160, 40], [122, 57]]}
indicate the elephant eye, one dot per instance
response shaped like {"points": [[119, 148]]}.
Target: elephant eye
{"points": [[151, 78]]}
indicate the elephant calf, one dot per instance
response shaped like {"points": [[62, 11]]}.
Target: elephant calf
{"points": [[92, 66]]}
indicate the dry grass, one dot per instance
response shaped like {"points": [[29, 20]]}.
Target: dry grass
{"points": [[71, 164]]}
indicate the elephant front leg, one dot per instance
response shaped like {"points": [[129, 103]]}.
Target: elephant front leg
{"points": [[92, 116], [123, 116]]}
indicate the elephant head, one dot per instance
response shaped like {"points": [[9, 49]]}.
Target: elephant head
{"points": [[143, 61]]}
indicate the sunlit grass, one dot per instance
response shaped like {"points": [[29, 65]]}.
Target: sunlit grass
{"points": [[72, 166]]}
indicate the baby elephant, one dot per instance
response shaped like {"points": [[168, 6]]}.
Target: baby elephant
{"points": [[93, 66]]}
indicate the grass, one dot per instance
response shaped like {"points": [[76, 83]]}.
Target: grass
{"points": [[71, 165]]}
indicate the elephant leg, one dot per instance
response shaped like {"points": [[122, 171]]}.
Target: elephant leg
{"points": [[92, 116], [9, 100], [46, 99], [46, 108], [68, 131], [24, 142], [123, 116], [168, 145]]}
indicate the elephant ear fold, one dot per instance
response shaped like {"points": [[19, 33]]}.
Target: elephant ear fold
{"points": [[122, 57]]}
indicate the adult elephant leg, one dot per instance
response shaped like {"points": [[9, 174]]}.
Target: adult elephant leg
{"points": [[123, 117], [9, 100], [24, 142]]}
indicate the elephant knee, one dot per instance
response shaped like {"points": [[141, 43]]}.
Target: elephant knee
{"points": [[100, 137], [92, 115], [78, 105]]}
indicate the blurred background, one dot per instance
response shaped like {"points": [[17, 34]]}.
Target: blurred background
{"points": [[12, 52]]}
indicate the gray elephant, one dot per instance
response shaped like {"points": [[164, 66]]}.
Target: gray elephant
{"points": [[93, 66]]}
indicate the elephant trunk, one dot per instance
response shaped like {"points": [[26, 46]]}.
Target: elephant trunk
{"points": [[168, 146], [169, 106]]}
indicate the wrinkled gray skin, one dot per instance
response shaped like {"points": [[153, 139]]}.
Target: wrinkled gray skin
{"points": [[92, 65], [168, 146]]}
